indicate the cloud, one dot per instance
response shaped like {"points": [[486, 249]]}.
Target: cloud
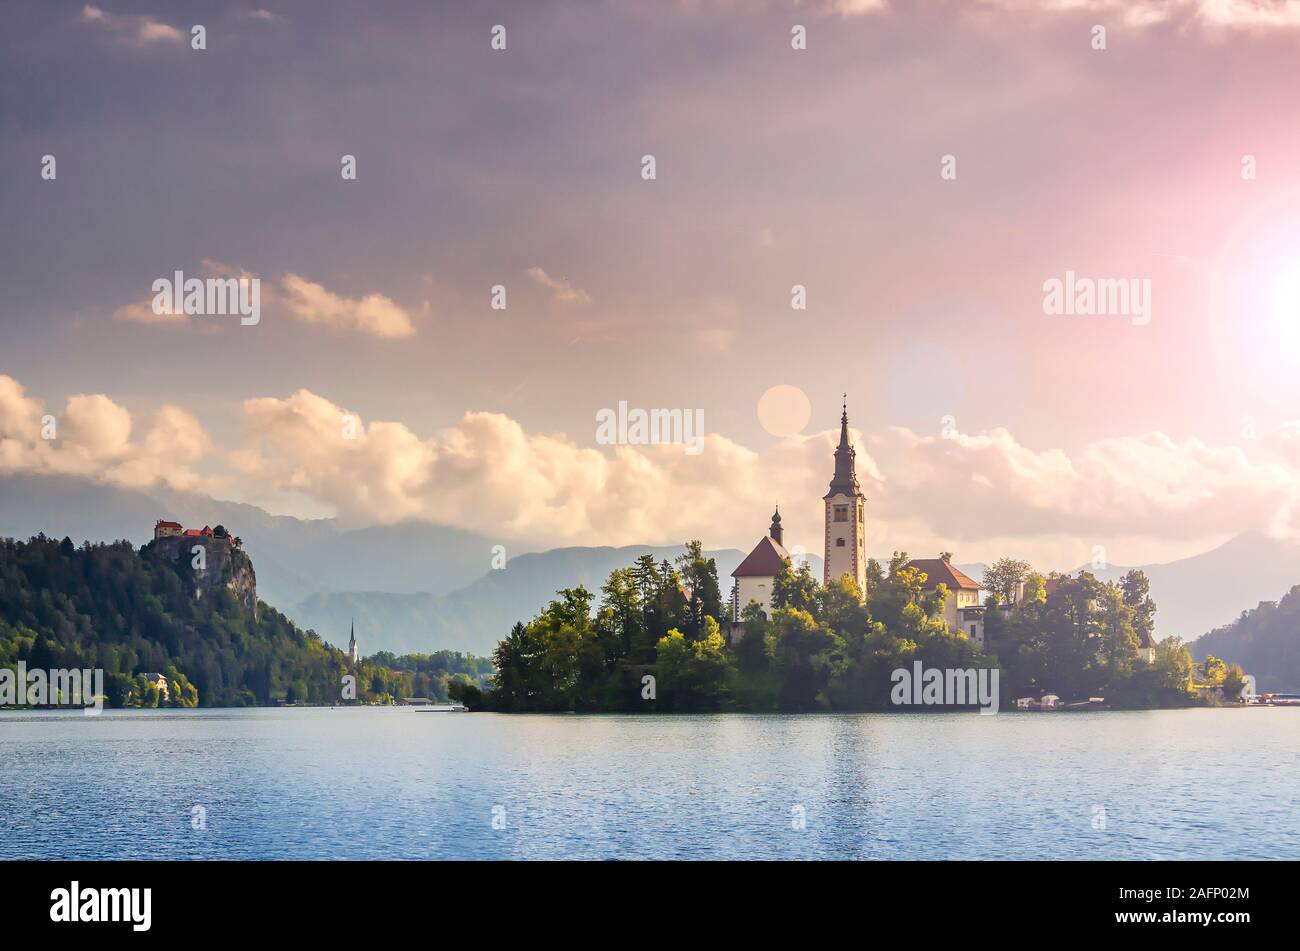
{"points": [[855, 8], [373, 314], [487, 474], [1211, 15], [303, 300], [562, 291], [142, 312], [984, 494], [137, 30], [92, 439], [979, 486]]}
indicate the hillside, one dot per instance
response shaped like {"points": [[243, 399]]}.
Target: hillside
{"points": [[1265, 641], [127, 611]]}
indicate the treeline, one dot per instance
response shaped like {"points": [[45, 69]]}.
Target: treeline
{"points": [[653, 642], [1082, 639], [132, 612], [442, 675]]}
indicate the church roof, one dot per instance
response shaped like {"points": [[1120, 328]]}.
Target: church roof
{"points": [[940, 572], [764, 561]]}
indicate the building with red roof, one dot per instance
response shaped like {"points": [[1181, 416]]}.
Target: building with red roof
{"points": [[755, 575], [962, 610]]}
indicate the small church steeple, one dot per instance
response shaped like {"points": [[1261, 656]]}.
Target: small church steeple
{"points": [[353, 651], [776, 531]]}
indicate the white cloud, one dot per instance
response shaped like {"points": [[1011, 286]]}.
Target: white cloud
{"points": [[487, 474], [979, 486], [373, 314], [979, 495], [93, 440], [137, 30], [562, 292], [301, 299]]}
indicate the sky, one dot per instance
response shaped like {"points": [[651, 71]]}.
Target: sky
{"points": [[923, 171]]}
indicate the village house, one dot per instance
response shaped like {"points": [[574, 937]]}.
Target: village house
{"points": [[962, 610]]}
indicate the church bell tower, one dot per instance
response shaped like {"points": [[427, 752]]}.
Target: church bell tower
{"points": [[846, 536]]}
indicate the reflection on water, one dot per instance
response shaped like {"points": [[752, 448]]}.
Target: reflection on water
{"points": [[391, 783]]}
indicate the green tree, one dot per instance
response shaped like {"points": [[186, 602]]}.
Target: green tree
{"points": [[1004, 578], [795, 588]]}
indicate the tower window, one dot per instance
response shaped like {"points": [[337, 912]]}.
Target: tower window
{"points": [[841, 513], [839, 543]]}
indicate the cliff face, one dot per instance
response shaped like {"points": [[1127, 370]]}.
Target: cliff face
{"points": [[221, 565]]}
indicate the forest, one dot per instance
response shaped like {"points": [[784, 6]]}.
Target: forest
{"points": [[653, 641]]}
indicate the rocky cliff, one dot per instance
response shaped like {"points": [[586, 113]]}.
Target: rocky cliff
{"points": [[212, 563]]}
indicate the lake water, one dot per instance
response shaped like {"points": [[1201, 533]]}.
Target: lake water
{"points": [[393, 783]]}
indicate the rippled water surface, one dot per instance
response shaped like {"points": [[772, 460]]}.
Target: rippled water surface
{"points": [[393, 783]]}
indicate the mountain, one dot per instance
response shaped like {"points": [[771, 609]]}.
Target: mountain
{"points": [[1265, 641], [477, 616], [1206, 591], [295, 557]]}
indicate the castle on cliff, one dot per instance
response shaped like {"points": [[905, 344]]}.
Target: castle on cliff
{"points": [[216, 559]]}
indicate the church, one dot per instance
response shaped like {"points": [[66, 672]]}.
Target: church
{"points": [[845, 553]]}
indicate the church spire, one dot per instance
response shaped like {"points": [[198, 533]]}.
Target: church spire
{"points": [[776, 531], [845, 479]]}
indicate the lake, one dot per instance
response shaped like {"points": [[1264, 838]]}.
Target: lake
{"points": [[390, 783]]}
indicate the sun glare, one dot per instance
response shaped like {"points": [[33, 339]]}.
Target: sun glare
{"points": [[1286, 306]]}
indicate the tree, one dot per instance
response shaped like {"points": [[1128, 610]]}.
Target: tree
{"points": [[622, 617], [1216, 671], [1004, 578], [1234, 682], [1136, 589], [796, 649], [1115, 622], [750, 650], [793, 588], [700, 578]]}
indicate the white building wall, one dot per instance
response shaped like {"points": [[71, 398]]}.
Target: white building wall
{"points": [[755, 588]]}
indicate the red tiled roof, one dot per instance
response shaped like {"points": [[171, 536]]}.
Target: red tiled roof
{"points": [[764, 561], [940, 572], [192, 533], [161, 524]]}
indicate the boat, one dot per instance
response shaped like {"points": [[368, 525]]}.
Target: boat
{"points": [[443, 708]]}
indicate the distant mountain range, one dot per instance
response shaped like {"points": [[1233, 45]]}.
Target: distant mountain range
{"points": [[421, 587]]}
